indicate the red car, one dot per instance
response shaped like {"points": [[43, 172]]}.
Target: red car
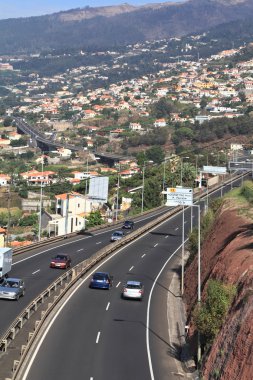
{"points": [[60, 261]]}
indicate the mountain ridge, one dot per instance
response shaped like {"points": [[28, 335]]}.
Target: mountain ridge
{"points": [[106, 27]]}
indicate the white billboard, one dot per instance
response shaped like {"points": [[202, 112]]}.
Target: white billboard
{"points": [[214, 169], [98, 189], [179, 196]]}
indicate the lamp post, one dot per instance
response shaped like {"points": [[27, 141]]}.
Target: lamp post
{"points": [[164, 177], [41, 193], [117, 204], [143, 183]]}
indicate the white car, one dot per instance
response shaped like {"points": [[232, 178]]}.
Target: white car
{"points": [[133, 289], [12, 288]]}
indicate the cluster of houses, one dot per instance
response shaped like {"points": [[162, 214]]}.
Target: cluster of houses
{"points": [[192, 82]]}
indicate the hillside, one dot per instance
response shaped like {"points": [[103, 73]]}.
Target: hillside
{"points": [[106, 27], [226, 256]]}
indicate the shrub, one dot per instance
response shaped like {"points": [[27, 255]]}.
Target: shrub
{"points": [[210, 316], [28, 220], [94, 219], [247, 191]]}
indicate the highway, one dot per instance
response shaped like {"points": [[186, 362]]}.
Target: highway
{"points": [[33, 266], [104, 336], [115, 333], [97, 335]]}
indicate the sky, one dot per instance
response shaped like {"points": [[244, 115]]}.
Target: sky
{"points": [[27, 8]]}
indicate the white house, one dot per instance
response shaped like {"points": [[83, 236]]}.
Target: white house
{"points": [[160, 123], [135, 127], [78, 207], [4, 179]]}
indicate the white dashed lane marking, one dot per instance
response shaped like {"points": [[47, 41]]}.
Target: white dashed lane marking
{"points": [[144, 254], [118, 284], [36, 271], [131, 268], [156, 245], [108, 305], [98, 336], [79, 250]]}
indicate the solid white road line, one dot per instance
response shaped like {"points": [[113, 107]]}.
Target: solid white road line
{"points": [[118, 284], [148, 312], [108, 305], [98, 336], [36, 271], [131, 268], [144, 254]]}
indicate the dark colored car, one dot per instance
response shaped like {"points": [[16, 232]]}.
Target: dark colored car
{"points": [[128, 224], [101, 280], [60, 261]]}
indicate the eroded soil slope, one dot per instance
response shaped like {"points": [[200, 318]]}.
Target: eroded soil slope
{"points": [[227, 255]]}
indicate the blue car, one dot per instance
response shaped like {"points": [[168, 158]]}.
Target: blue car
{"points": [[101, 280]]}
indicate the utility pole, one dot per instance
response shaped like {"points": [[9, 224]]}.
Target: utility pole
{"points": [[67, 213], [9, 214], [117, 204], [41, 193]]}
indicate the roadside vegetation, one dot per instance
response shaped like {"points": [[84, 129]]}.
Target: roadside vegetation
{"points": [[210, 315]]}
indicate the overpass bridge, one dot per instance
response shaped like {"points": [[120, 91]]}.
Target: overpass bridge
{"points": [[110, 158], [39, 140]]}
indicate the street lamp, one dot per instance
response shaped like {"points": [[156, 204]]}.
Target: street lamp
{"points": [[41, 192], [164, 195], [86, 187], [117, 204], [143, 183]]}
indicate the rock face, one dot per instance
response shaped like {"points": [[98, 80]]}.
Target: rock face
{"points": [[227, 255]]}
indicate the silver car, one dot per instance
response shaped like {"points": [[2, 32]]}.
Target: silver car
{"points": [[12, 288], [117, 235], [133, 289]]}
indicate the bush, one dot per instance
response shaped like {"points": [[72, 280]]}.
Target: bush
{"points": [[247, 191], [95, 219], [210, 316], [28, 220]]}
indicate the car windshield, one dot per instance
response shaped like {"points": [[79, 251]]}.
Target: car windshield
{"points": [[117, 234], [60, 257], [11, 284], [134, 286]]}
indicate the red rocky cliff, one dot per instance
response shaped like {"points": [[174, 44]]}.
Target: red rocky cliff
{"points": [[227, 255]]}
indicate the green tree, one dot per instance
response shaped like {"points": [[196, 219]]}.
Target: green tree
{"points": [[94, 219], [7, 121], [155, 154]]}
